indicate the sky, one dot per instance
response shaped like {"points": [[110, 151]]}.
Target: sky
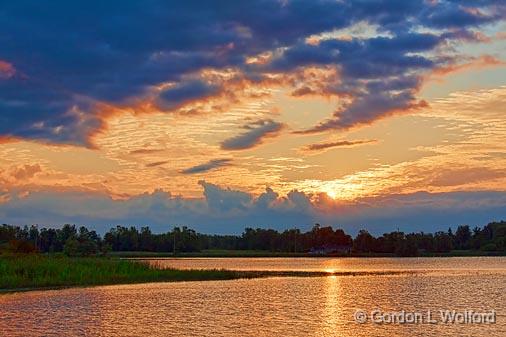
{"points": [[222, 115]]}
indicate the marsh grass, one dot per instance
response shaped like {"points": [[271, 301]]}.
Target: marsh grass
{"points": [[38, 271]]}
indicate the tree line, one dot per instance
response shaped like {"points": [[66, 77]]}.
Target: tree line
{"points": [[81, 241]]}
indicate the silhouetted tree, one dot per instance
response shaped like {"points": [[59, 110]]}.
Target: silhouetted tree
{"points": [[442, 242], [463, 237], [364, 242]]}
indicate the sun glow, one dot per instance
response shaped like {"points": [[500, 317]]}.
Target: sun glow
{"points": [[332, 194]]}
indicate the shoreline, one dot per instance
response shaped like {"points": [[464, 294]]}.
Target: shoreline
{"points": [[20, 273], [266, 254]]}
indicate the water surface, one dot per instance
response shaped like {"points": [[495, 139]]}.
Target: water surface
{"points": [[316, 306], [459, 264]]}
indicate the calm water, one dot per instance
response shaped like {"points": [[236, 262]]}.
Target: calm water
{"points": [[320, 306], [457, 264]]}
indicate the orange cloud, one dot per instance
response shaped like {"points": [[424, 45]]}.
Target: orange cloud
{"points": [[465, 176], [7, 70], [500, 36], [232, 88], [7, 139], [26, 171]]}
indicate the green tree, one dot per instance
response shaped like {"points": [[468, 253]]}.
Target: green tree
{"points": [[71, 247]]}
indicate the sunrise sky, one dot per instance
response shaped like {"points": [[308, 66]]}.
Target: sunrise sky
{"points": [[225, 114]]}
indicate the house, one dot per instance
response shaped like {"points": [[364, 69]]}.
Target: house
{"points": [[331, 249]]}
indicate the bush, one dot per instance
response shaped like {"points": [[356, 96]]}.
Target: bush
{"points": [[75, 247], [105, 248], [21, 247], [71, 247], [489, 247]]}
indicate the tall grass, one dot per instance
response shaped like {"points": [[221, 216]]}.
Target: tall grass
{"points": [[25, 272], [38, 271]]}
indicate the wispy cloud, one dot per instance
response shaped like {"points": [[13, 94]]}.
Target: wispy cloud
{"points": [[474, 63], [210, 165], [157, 163], [145, 151], [318, 147], [255, 134]]}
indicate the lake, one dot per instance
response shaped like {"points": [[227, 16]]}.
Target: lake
{"points": [[291, 306]]}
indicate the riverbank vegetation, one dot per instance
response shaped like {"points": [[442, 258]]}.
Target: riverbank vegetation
{"points": [[49, 271], [73, 241]]}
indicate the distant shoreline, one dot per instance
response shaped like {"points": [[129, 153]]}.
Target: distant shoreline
{"points": [[319, 241], [265, 254]]}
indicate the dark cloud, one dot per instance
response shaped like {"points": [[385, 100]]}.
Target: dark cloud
{"points": [[210, 165], [455, 14], [37, 112], [186, 91], [78, 54], [255, 133], [110, 52], [380, 74], [368, 108], [341, 143]]}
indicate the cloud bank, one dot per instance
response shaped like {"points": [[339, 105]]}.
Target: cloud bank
{"points": [[224, 210]]}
